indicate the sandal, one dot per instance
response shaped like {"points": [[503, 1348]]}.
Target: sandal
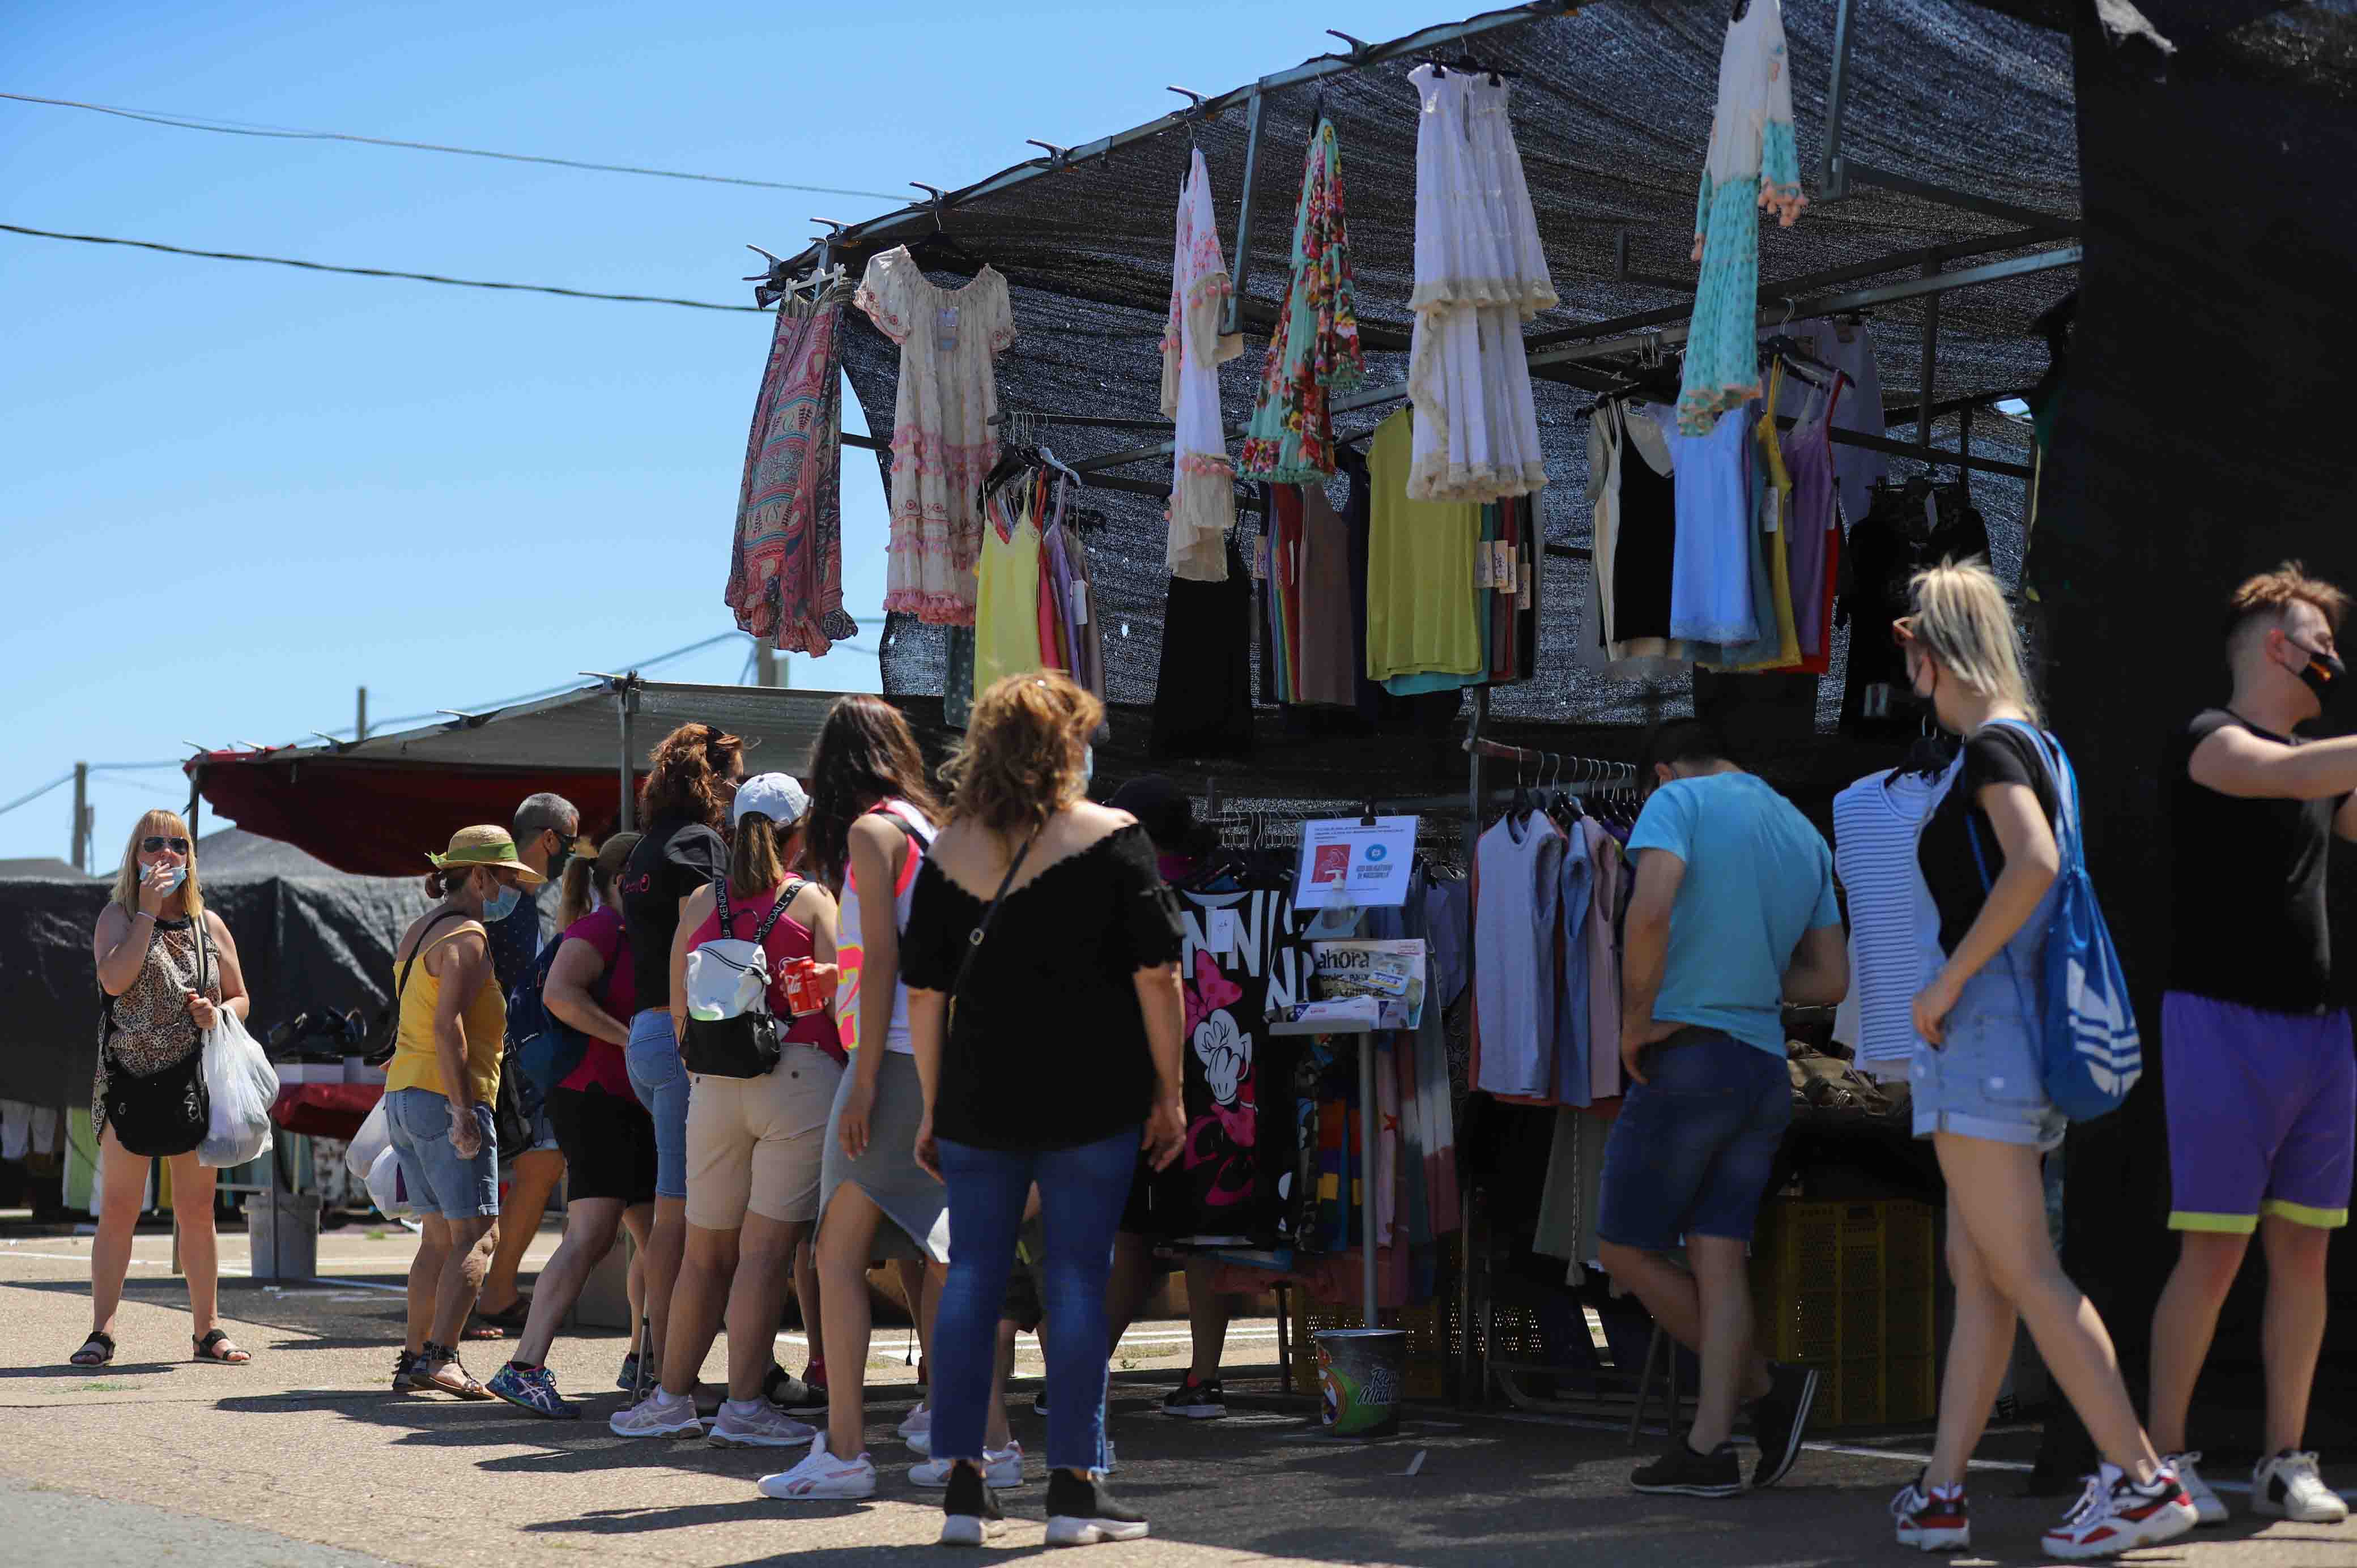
{"points": [[478, 1329], [216, 1347], [516, 1314], [96, 1351], [438, 1368]]}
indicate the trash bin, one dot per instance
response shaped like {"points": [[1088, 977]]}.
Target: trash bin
{"points": [[1360, 1373], [284, 1227]]}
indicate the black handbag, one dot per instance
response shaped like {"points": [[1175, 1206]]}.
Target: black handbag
{"points": [[168, 1111], [748, 1044], [385, 1034]]}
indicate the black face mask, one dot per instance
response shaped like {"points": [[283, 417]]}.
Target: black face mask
{"points": [[2322, 674], [558, 862]]}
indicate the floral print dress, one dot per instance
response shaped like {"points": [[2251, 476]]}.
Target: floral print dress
{"points": [[1315, 350]]}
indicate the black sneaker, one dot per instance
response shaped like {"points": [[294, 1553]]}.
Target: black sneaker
{"points": [[1040, 1404], [790, 1393], [969, 1513], [1779, 1420], [1084, 1513], [1204, 1400], [1686, 1473]]}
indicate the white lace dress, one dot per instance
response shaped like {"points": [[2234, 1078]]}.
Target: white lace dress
{"points": [[943, 441], [1481, 272], [1203, 485]]}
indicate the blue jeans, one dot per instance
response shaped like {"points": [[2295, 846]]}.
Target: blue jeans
{"points": [[1692, 1150], [660, 1079], [1082, 1193], [440, 1182]]}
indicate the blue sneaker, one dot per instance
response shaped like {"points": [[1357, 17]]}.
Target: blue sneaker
{"points": [[534, 1390]]}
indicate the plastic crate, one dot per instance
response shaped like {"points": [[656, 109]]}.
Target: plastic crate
{"points": [[1427, 1344], [1848, 1288]]}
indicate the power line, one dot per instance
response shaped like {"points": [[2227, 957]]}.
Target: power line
{"points": [[246, 128], [380, 272], [30, 796]]}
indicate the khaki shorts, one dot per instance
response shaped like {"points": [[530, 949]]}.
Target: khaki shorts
{"points": [[757, 1142]]}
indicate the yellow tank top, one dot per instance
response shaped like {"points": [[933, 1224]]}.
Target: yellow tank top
{"points": [[414, 1064]]}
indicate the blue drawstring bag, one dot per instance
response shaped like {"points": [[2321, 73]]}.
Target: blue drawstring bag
{"points": [[2089, 1054], [546, 1047]]}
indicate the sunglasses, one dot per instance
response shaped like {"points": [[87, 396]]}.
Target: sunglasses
{"points": [[153, 844]]}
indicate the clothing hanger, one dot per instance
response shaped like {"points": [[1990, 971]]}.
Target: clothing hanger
{"points": [[1927, 756]]}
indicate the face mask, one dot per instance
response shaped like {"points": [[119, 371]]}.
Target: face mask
{"points": [[2321, 674], [502, 904], [1088, 763], [558, 862], [170, 878]]}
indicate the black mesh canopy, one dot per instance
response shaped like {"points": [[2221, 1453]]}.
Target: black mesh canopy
{"points": [[1612, 111]]}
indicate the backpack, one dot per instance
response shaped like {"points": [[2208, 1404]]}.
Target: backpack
{"points": [[544, 1047], [731, 1032], [2089, 1052]]}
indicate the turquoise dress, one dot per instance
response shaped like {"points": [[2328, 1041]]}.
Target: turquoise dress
{"points": [[1313, 352]]}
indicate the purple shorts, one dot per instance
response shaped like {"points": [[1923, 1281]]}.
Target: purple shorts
{"points": [[2262, 1114]]}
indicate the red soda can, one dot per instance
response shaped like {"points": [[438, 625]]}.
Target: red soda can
{"points": [[806, 988]]}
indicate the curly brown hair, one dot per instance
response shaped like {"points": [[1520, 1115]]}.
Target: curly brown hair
{"points": [[1024, 754], [685, 773]]}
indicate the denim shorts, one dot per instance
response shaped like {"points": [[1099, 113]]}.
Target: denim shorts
{"points": [[1692, 1149], [660, 1079], [1987, 1078], [439, 1181]]}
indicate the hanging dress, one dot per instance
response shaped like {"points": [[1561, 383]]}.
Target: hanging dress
{"points": [[1753, 164], [785, 575], [1480, 272], [1202, 482], [943, 445], [1007, 617], [1315, 352]]}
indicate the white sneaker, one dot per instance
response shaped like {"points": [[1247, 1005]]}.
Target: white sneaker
{"points": [[2116, 1515], [658, 1415], [756, 1423], [2207, 1505], [921, 1443], [2287, 1486], [821, 1474], [920, 1420], [1001, 1468]]}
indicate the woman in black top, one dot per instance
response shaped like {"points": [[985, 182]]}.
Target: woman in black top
{"points": [[1990, 857], [1050, 1057], [692, 777]]}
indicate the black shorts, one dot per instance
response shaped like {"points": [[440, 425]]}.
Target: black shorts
{"points": [[608, 1141]]}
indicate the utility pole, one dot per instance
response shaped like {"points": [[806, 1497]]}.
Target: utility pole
{"points": [[82, 817], [360, 727], [770, 669]]}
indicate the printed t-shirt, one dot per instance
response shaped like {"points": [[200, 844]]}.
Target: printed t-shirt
{"points": [[603, 1066], [677, 857], [1758, 877]]}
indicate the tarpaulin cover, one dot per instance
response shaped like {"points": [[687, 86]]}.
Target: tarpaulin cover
{"points": [[308, 938], [1612, 111]]}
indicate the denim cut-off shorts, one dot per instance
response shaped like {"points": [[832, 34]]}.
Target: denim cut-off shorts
{"points": [[1985, 1080]]}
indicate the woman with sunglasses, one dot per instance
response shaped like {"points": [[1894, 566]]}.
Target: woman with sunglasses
{"points": [[439, 1090], [1988, 857], [169, 969]]}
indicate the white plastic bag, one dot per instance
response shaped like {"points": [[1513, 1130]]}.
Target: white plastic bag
{"points": [[374, 1138], [386, 1188], [243, 1085]]}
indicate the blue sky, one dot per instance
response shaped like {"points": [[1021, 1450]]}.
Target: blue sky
{"points": [[232, 494]]}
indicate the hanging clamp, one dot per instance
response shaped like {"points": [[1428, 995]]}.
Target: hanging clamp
{"points": [[940, 200], [1058, 157], [1359, 47], [1193, 115]]}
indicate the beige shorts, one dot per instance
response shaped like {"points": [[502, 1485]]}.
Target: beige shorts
{"points": [[758, 1142]]}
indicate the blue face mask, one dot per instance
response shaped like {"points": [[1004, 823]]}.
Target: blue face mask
{"points": [[1088, 764], [501, 904]]}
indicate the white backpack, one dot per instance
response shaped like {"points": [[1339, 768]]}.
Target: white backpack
{"points": [[731, 1030]]}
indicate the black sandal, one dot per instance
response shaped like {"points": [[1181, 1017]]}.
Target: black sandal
{"points": [[216, 1347], [86, 1357]]}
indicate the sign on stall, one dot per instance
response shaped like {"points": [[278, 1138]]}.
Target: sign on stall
{"points": [[1350, 861]]}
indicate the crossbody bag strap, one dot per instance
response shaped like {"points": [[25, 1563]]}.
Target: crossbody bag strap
{"points": [[786, 895], [403, 983], [981, 927]]}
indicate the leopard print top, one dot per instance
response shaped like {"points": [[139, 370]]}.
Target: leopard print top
{"points": [[152, 1029]]}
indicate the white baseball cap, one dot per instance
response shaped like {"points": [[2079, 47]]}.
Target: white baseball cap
{"points": [[774, 795]]}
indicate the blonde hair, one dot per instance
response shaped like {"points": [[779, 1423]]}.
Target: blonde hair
{"points": [[1021, 760], [584, 870], [167, 823], [1961, 621]]}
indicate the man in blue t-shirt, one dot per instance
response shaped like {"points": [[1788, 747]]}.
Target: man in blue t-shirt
{"points": [[1732, 916]]}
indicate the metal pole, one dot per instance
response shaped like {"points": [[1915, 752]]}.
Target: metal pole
{"points": [[82, 817], [1238, 273], [1964, 450], [1369, 1117], [360, 726], [1931, 359], [1832, 181], [1472, 1388], [629, 774], [765, 664]]}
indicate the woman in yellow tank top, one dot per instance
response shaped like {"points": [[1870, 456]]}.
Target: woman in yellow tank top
{"points": [[438, 1092]]}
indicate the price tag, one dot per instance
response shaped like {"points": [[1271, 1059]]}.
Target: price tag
{"points": [[946, 330], [1485, 567], [1523, 599], [1222, 932], [1505, 575], [1260, 558]]}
